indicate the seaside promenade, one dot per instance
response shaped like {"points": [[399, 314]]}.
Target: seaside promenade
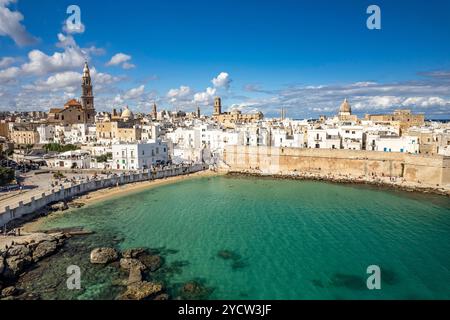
{"points": [[28, 202]]}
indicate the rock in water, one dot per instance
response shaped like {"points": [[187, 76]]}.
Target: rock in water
{"points": [[60, 206], [19, 251], [193, 290], [15, 266], [104, 255], [135, 275], [44, 249], [9, 292], [153, 263], [133, 253], [76, 205], [141, 291], [128, 263]]}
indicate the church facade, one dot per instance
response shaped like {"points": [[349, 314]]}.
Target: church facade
{"points": [[230, 119], [77, 111]]}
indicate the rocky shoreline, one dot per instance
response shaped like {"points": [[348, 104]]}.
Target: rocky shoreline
{"points": [[142, 264], [19, 254], [141, 273], [376, 181]]}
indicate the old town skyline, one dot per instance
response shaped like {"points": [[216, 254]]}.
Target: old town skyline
{"points": [[40, 62]]}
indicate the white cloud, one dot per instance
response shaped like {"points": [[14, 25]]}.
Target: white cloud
{"points": [[425, 102], [132, 94], [11, 26], [94, 51], [206, 97], [6, 62], [128, 66], [65, 41], [121, 59], [363, 84], [135, 93], [183, 93], [118, 59], [69, 81], [40, 64], [222, 81], [102, 78], [9, 75]]}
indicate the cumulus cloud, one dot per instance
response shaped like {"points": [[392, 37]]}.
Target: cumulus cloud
{"points": [[69, 81], [222, 81], [135, 92], [426, 102], [206, 97], [11, 25], [130, 95], [65, 41], [9, 75], [40, 64], [183, 93], [121, 59], [6, 62]]}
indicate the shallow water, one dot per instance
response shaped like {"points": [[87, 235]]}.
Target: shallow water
{"points": [[283, 239]]}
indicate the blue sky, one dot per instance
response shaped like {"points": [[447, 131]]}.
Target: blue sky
{"points": [[305, 56]]}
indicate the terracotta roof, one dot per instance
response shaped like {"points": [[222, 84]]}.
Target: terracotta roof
{"points": [[72, 102], [55, 110]]}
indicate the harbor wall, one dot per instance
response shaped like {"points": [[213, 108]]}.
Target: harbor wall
{"points": [[36, 203], [422, 169]]}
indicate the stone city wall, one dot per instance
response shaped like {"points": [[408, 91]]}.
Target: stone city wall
{"points": [[430, 170]]}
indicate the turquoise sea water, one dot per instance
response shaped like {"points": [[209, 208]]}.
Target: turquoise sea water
{"points": [[290, 239]]}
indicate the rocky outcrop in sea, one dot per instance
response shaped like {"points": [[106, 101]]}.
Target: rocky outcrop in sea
{"points": [[20, 254]]}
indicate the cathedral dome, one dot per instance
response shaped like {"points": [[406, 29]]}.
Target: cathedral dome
{"points": [[345, 107], [127, 114]]}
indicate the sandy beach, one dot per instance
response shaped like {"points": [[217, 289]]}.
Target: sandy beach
{"points": [[105, 194], [109, 193]]}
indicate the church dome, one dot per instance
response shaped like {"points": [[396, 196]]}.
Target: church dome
{"points": [[127, 114], [345, 107]]}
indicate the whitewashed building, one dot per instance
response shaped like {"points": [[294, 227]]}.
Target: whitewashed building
{"points": [[406, 144], [46, 133], [139, 155], [78, 159]]}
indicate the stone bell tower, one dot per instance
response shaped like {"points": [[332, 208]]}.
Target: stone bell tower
{"points": [[217, 106], [87, 96]]}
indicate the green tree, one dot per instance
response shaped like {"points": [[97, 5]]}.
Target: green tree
{"points": [[56, 147], [6, 176], [104, 157]]}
